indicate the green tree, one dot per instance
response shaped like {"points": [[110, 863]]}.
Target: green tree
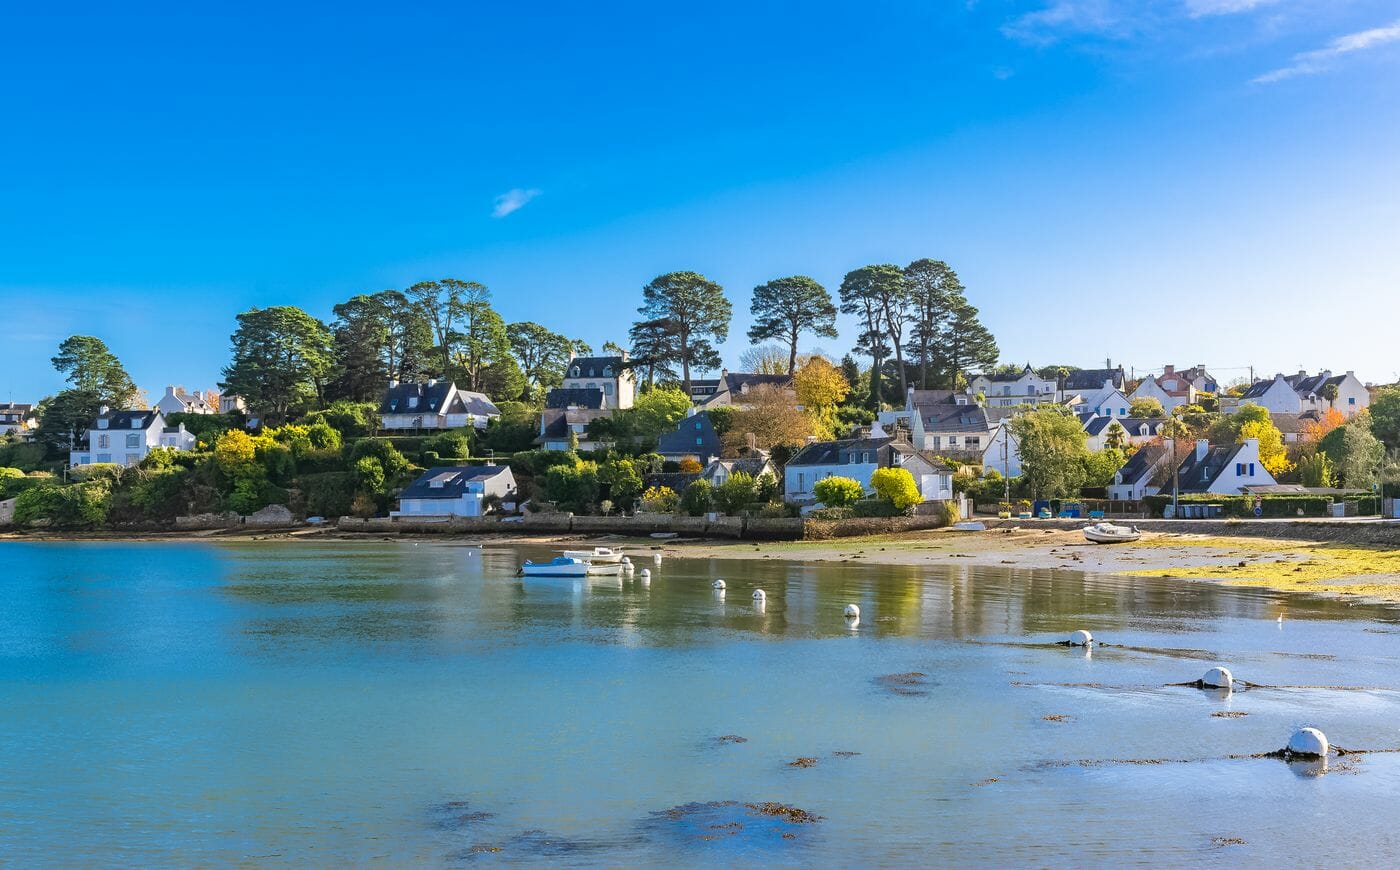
{"points": [[574, 487], [281, 359], [837, 492], [1146, 407], [698, 498], [91, 367], [785, 308], [933, 287], [967, 343], [657, 412], [897, 486], [1053, 451], [441, 304], [654, 348], [1100, 467], [695, 313], [1356, 452], [1317, 470], [65, 418], [1385, 416], [623, 480], [1329, 392], [378, 338], [541, 353], [737, 492], [864, 292], [482, 345]]}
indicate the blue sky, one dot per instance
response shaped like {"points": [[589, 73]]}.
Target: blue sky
{"points": [[1178, 181]]}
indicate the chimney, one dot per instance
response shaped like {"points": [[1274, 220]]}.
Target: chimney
{"points": [[1168, 370], [432, 382], [1203, 447], [393, 382], [1350, 373], [626, 356]]}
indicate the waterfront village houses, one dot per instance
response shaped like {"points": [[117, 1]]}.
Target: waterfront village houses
{"points": [[1143, 473], [434, 405], [593, 387], [127, 437], [1175, 388], [457, 491], [1300, 393], [1004, 391], [177, 401], [858, 458]]}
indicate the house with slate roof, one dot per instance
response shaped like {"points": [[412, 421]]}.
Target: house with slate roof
{"points": [[720, 470], [1143, 473], [1093, 380], [1295, 394], [732, 387], [1004, 391], [693, 438], [941, 421], [178, 401], [127, 437], [16, 417], [858, 458], [434, 404], [611, 376], [456, 491], [1225, 470]]}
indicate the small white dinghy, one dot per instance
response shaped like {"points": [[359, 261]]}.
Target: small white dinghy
{"points": [[597, 555], [1108, 533], [560, 566]]}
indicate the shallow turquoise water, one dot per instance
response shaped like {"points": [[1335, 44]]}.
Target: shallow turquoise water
{"points": [[391, 704]]}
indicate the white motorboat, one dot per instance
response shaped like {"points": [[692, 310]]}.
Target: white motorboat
{"points": [[560, 566], [604, 569], [1108, 533], [596, 556]]}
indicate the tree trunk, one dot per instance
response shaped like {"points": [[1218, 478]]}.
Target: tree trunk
{"points": [[792, 350]]}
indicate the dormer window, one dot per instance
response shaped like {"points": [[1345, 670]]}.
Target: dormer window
{"points": [[136, 422], [573, 372], [607, 371], [412, 401]]}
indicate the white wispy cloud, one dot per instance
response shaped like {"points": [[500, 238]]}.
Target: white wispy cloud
{"points": [[1320, 60], [1062, 17], [1207, 8], [512, 201]]}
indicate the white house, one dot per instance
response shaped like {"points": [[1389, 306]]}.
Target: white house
{"points": [[611, 376], [16, 418], [720, 470], [1295, 394], [127, 437], [456, 491], [177, 401], [1002, 452], [434, 405], [560, 426], [858, 458], [1003, 391], [1223, 470], [1106, 401], [1151, 388], [941, 421], [1143, 472]]}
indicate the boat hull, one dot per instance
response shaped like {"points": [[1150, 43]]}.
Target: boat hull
{"points": [[1118, 535]]}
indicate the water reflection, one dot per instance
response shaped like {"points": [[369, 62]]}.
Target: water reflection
{"points": [[420, 705]]}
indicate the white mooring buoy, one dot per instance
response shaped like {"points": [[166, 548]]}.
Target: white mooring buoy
{"points": [[852, 611], [1218, 678], [760, 595], [718, 584], [656, 557], [646, 575], [1308, 742], [1081, 638]]}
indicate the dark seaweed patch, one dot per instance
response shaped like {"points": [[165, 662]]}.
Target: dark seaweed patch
{"points": [[742, 824], [913, 683]]}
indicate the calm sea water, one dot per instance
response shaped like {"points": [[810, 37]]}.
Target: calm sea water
{"points": [[397, 704]]}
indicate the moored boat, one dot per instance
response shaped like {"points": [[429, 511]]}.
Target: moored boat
{"points": [[560, 566], [1108, 533], [597, 555]]}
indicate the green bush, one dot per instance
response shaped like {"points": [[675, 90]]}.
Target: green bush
{"points": [[329, 494], [454, 444], [573, 488], [26, 456], [10, 487], [698, 498], [837, 492], [736, 492], [896, 486], [79, 506], [350, 419]]}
